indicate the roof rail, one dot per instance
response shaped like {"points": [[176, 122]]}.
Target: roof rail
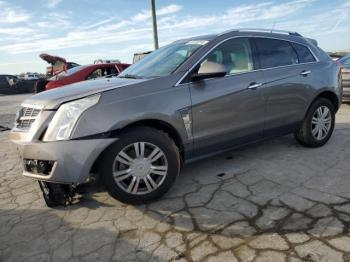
{"points": [[264, 30]]}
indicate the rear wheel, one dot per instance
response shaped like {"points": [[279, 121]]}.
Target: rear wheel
{"points": [[318, 124], [141, 166]]}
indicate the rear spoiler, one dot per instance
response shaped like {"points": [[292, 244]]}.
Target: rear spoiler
{"points": [[311, 41]]}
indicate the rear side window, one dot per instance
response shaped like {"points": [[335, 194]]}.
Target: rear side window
{"points": [[274, 53], [304, 54]]}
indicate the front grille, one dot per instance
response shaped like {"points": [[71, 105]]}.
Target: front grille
{"points": [[26, 117]]}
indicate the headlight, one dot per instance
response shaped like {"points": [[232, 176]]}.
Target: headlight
{"points": [[63, 123]]}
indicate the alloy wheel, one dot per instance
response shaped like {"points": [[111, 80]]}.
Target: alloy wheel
{"points": [[140, 168], [321, 123]]}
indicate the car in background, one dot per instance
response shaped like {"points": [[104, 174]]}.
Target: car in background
{"points": [[344, 63], [80, 73], [57, 64], [10, 84], [30, 76], [107, 61], [138, 56]]}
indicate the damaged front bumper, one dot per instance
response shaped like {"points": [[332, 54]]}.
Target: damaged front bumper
{"points": [[67, 162], [59, 166]]}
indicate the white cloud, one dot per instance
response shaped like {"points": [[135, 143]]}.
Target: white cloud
{"points": [[170, 9], [11, 14], [54, 20], [16, 31], [53, 3], [346, 3], [146, 14], [263, 11], [99, 23], [172, 26]]}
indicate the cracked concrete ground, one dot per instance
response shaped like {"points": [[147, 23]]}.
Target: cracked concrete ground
{"points": [[274, 201]]}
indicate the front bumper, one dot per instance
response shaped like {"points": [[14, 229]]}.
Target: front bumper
{"points": [[72, 159]]}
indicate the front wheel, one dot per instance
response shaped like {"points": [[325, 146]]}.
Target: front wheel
{"points": [[318, 125], [141, 166]]}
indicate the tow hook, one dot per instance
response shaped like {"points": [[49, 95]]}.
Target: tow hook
{"points": [[57, 194]]}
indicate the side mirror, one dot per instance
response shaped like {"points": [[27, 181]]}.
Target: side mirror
{"points": [[209, 70]]}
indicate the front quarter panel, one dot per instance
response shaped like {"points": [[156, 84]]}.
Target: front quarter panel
{"points": [[121, 107]]}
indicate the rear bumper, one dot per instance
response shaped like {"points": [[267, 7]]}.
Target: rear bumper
{"points": [[72, 160]]}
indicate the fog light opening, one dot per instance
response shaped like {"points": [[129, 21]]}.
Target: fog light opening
{"points": [[38, 166]]}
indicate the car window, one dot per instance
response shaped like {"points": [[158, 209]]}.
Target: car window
{"points": [[111, 71], [274, 53], [69, 72], [234, 54], [304, 54], [96, 74], [3, 80], [165, 60], [11, 80]]}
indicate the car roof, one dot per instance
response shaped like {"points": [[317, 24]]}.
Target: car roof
{"points": [[105, 64], [201, 37], [281, 34], [8, 75]]}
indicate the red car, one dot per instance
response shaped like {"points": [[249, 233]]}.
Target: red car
{"points": [[80, 73], [57, 64]]}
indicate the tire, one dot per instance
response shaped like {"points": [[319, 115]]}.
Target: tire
{"points": [[118, 172], [305, 134]]}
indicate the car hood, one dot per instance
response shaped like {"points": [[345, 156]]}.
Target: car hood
{"points": [[52, 59], [52, 99]]}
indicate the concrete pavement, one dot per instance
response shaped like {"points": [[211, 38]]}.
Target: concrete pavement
{"points": [[274, 201]]}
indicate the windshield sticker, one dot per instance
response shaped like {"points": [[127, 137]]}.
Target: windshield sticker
{"points": [[197, 42]]}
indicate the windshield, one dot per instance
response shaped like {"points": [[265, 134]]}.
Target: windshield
{"points": [[69, 72], [163, 61]]}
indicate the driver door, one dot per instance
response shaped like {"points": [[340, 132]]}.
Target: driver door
{"points": [[228, 111]]}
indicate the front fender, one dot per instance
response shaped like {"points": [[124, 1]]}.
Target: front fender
{"points": [[113, 113]]}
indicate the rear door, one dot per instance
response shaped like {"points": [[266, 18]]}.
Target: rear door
{"points": [[227, 111], [286, 84]]}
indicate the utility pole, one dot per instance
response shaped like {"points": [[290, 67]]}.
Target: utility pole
{"points": [[154, 20]]}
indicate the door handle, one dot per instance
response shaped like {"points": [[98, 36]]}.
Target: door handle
{"points": [[254, 86], [305, 73]]}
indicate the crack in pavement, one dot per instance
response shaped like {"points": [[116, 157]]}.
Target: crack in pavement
{"points": [[254, 212]]}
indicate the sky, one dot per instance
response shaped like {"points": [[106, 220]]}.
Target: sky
{"points": [[85, 30]]}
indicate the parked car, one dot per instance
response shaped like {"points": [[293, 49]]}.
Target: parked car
{"points": [[107, 61], [344, 61], [57, 64], [188, 100], [10, 84], [138, 56], [30, 76], [80, 73]]}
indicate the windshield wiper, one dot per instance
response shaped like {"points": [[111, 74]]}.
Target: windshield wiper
{"points": [[131, 76]]}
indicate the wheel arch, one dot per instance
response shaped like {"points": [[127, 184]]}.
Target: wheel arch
{"points": [[331, 96], [162, 125]]}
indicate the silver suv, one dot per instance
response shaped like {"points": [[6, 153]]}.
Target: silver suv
{"points": [[190, 99]]}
